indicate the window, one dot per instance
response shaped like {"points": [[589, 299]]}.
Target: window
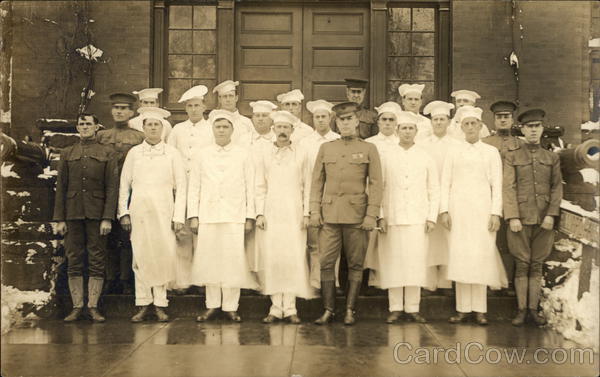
{"points": [[191, 51], [411, 50]]}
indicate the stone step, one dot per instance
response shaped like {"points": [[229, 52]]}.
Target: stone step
{"points": [[433, 307]]}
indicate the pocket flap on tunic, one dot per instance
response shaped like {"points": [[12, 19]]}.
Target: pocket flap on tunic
{"points": [[98, 194]]}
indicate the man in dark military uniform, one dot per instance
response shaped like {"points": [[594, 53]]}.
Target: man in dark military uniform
{"points": [[504, 141], [532, 192], [340, 205], [120, 138], [85, 205], [356, 91]]}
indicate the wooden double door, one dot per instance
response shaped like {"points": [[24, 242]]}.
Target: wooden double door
{"points": [[308, 47]]}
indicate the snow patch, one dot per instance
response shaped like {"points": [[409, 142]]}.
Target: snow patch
{"points": [[590, 126], [48, 173], [19, 194], [565, 204], [29, 257], [590, 175], [13, 300], [7, 171]]}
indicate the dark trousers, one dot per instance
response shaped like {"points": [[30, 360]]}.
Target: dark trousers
{"points": [[502, 243], [119, 255], [355, 241], [530, 247], [85, 235]]}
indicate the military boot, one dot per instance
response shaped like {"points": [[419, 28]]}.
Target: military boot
{"points": [[535, 290], [353, 291], [76, 289], [328, 294], [94, 291], [521, 291]]}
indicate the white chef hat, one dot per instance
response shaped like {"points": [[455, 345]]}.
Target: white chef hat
{"points": [[198, 91], [262, 106], [220, 114], [389, 107], [225, 87], [404, 89], [153, 113], [469, 111], [407, 117], [314, 106], [283, 116], [291, 96], [466, 94], [434, 108], [148, 93]]}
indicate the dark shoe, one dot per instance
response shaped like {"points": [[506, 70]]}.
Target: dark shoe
{"points": [[325, 318], [537, 318], [207, 315], [349, 319], [95, 315], [269, 319], [161, 315], [519, 319], [459, 317], [481, 319], [127, 287], [294, 319], [393, 317], [416, 317], [141, 314], [74, 315], [234, 316]]}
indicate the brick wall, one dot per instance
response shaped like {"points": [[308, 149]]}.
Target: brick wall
{"points": [[554, 62], [42, 29]]}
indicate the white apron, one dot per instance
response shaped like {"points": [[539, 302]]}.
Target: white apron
{"points": [[472, 257], [281, 247], [151, 211]]}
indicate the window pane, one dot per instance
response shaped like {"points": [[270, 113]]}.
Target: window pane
{"points": [[423, 69], [398, 44], [423, 19], [423, 44], [210, 98], [205, 17], [180, 17], [428, 95], [180, 66], [177, 87], [205, 42], [180, 42], [399, 68], [399, 19], [204, 66], [392, 90]]}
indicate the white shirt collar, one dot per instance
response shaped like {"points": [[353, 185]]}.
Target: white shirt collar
{"points": [[158, 148], [225, 148]]}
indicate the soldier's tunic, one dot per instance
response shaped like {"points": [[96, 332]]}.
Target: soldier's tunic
{"points": [[188, 138], [471, 191], [282, 192], [438, 149], [343, 170], [153, 193], [86, 194], [410, 198], [137, 123], [221, 195], [121, 138], [367, 126], [532, 190], [311, 145]]}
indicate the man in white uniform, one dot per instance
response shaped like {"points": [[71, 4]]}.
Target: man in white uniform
{"points": [[470, 207], [464, 98], [412, 99], [387, 122], [152, 199], [408, 213], [221, 209], [149, 98], [292, 102], [282, 197], [262, 122], [228, 98], [188, 137], [322, 115], [437, 145]]}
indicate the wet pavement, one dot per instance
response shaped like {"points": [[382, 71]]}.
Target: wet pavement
{"points": [[183, 347]]}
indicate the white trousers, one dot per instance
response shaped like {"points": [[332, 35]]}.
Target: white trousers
{"points": [[225, 298], [283, 305], [471, 298], [404, 299], [145, 295]]}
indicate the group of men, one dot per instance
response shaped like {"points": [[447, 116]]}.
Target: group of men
{"points": [[269, 203]]}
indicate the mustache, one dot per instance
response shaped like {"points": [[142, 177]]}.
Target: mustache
{"points": [[282, 134]]}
